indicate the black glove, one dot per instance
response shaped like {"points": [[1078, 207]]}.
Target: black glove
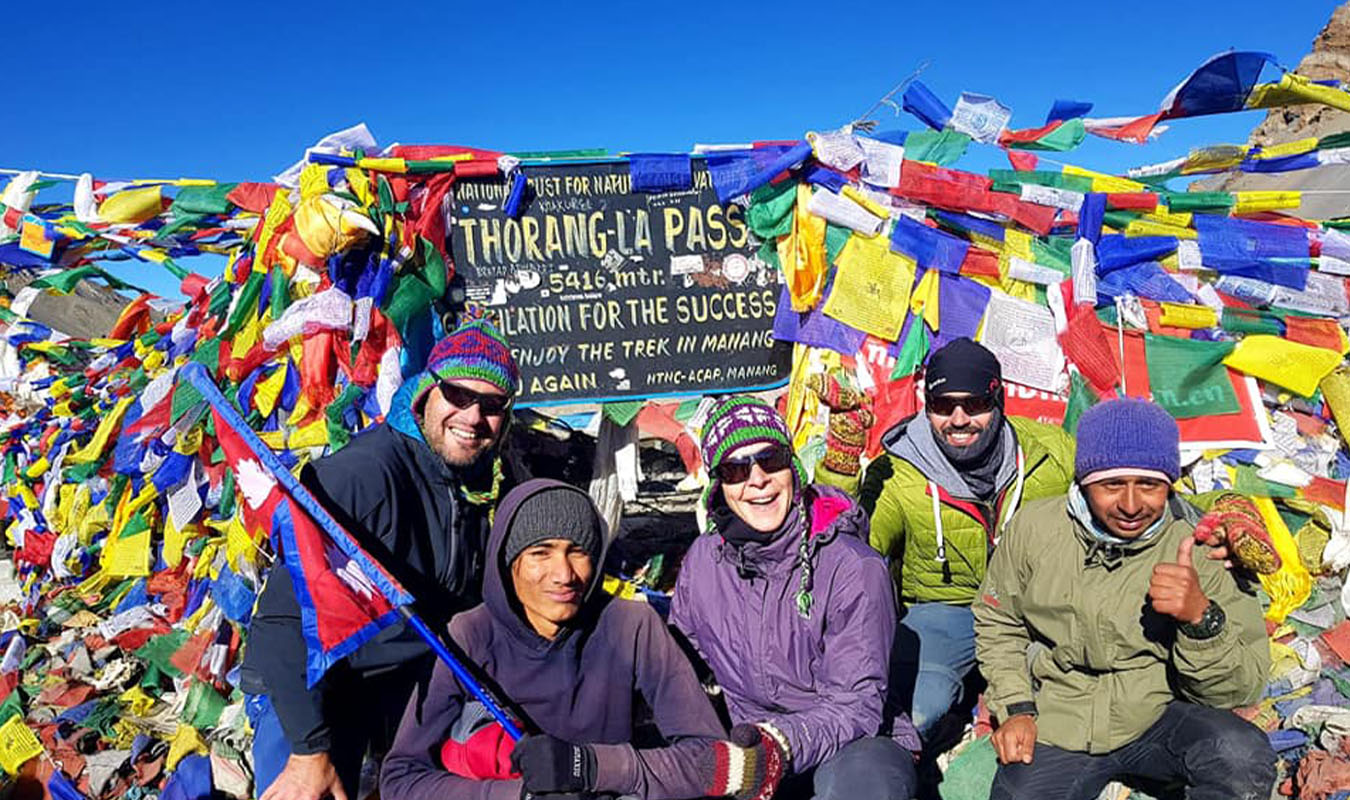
{"points": [[547, 764]]}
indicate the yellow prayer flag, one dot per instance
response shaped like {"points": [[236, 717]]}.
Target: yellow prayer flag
{"points": [[38, 468], [1105, 183], [1294, 148], [1254, 202], [1294, 89], [132, 205], [1295, 366], [1151, 227], [1181, 219], [924, 299], [174, 542], [1290, 586], [871, 288], [190, 442], [1186, 315], [186, 741], [1018, 243], [313, 180], [267, 391], [1336, 391], [277, 213], [315, 434], [383, 164], [138, 702], [239, 543], [801, 254], [33, 238], [359, 183], [18, 744], [127, 556], [875, 208]]}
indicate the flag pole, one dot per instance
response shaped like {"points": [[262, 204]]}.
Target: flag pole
{"points": [[466, 679], [200, 379]]}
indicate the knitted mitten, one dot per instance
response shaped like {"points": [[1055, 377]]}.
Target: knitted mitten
{"points": [[1234, 521], [838, 394], [845, 440], [749, 765]]}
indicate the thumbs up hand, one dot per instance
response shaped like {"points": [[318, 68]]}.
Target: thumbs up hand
{"points": [[1174, 589]]}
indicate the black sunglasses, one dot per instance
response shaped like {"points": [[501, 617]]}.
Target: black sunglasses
{"points": [[945, 404], [771, 459], [460, 397]]}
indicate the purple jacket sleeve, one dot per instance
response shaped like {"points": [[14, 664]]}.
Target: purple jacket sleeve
{"points": [[683, 714], [859, 628], [412, 769]]}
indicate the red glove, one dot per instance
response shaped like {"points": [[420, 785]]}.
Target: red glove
{"points": [[485, 754], [1234, 522]]}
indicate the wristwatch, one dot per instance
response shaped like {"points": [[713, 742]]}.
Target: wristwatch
{"points": [[1210, 624]]}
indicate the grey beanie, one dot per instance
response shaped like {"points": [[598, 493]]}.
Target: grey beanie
{"points": [[555, 512]]}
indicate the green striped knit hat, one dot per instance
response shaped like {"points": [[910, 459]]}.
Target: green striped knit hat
{"points": [[737, 421], [475, 350]]}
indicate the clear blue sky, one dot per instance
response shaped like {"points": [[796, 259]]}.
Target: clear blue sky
{"points": [[237, 90]]}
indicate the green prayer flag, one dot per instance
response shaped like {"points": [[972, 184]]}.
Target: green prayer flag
{"points": [[912, 352], [770, 213], [246, 305], [622, 412], [1248, 482], [197, 200], [1062, 138], [1081, 398], [939, 147], [836, 236], [1178, 202], [338, 434], [158, 650], [1243, 320], [1188, 378]]}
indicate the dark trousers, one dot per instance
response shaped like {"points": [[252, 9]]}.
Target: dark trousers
{"points": [[875, 768], [1217, 754]]}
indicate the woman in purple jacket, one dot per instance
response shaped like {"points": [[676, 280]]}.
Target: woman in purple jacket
{"points": [[571, 661], [794, 613]]}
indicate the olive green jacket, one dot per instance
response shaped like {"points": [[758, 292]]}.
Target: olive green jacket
{"points": [[900, 501], [1064, 622]]}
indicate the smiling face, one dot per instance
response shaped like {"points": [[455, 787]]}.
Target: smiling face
{"points": [[952, 421], [763, 499], [550, 580], [461, 436], [1126, 506]]}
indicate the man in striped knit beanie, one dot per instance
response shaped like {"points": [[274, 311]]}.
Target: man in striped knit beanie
{"points": [[417, 492]]}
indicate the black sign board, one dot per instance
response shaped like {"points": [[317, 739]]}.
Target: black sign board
{"points": [[607, 294]]}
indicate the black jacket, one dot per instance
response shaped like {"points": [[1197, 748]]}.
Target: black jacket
{"points": [[405, 506]]}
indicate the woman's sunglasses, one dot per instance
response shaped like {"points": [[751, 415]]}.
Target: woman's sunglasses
{"points": [[945, 404], [460, 397], [771, 459]]}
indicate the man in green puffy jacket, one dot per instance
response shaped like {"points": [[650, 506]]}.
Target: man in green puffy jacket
{"points": [[939, 496], [1110, 650]]}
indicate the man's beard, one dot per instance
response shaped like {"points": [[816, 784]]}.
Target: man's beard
{"points": [[975, 451]]}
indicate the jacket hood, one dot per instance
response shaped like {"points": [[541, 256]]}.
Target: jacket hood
{"points": [[401, 417], [913, 440], [499, 594]]}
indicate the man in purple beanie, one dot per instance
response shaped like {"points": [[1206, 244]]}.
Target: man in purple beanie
{"points": [[1111, 651], [416, 492]]}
